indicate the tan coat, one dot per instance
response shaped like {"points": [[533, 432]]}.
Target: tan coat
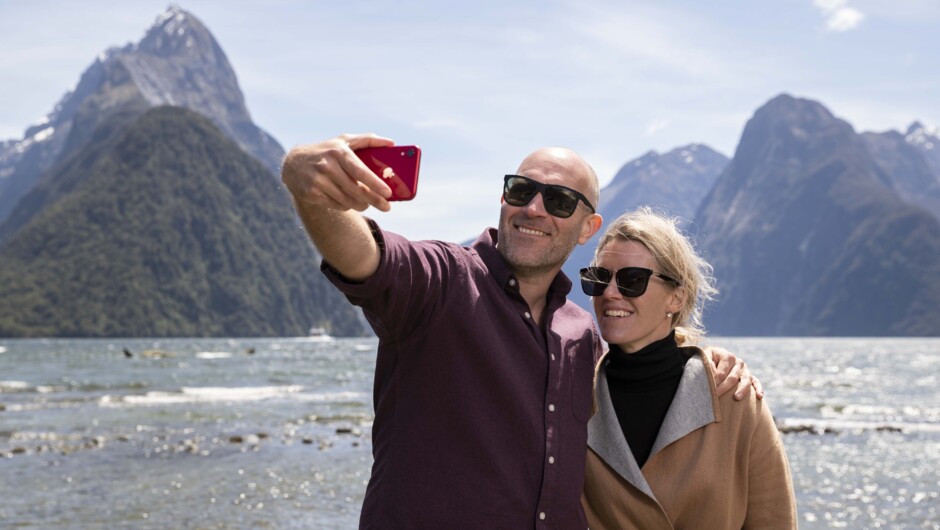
{"points": [[716, 464]]}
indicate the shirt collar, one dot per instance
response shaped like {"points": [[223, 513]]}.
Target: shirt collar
{"points": [[485, 247]]}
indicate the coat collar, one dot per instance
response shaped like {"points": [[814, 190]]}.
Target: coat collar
{"points": [[693, 407]]}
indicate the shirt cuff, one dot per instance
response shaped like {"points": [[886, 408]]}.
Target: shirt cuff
{"points": [[371, 284]]}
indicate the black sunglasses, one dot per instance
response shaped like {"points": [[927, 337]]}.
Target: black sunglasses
{"points": [[558, 200], [631, 281]]}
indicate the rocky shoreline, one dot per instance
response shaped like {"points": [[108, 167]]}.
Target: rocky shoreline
{"points": [[152, 443]]}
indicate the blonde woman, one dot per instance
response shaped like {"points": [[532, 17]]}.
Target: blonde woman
{"points": [[664, 449]]}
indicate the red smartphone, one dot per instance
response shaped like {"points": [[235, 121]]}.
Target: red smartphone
{"points": [[397, 165]]}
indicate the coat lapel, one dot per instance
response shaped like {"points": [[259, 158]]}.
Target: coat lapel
{"points": [[605, 437], [693, 406]]}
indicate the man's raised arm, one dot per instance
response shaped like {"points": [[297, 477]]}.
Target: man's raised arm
{"points": [[330, 186]]}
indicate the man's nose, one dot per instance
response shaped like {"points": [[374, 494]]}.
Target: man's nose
{"points": [[536, 207]]}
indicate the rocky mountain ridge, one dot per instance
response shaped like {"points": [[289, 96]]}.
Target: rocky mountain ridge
{"points": [[813, 229], [178, 62]]}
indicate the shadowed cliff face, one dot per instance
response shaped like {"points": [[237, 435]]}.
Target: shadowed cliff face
{"points": [[809, 237], [177, 63], [906, 160]]}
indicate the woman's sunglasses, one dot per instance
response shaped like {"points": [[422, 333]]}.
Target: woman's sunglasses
{"points": [[631, 281], [558, 200]]}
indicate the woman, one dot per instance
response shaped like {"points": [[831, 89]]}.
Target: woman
{"points": [[664, 451]]}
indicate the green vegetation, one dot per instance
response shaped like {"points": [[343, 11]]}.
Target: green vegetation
{"points": [[163, 228]]}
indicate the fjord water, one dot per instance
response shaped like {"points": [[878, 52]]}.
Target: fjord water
{"points": [[275, 433]]}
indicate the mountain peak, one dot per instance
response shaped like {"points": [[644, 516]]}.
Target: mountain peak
{"points": [[696, 153], [178, 63], [796, 110], [788, 129], [923, 136], [176, 32]]}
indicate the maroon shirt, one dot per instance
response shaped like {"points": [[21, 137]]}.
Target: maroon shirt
{"points": [[480, 415]]}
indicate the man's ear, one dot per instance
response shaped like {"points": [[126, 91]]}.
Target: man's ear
{"points": [[589, 227]]}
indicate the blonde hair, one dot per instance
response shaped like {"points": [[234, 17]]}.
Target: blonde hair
{"points": [[676, 258]]}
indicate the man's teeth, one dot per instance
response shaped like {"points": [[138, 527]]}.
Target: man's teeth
{"points": [[617, 313], [531, 232]]}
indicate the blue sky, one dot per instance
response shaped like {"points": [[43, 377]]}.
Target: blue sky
{"points": [[478, 85]]}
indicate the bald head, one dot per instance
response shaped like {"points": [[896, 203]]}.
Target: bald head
{"points": [[577, 172]]}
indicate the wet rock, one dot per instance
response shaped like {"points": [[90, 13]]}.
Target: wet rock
{"points": [[157, 354], [888, 428], [188, 446], [307, 440], [789, 429], [18, 451], [2, 407], [94, 443], [809, 429], [248, 439], [344, 430]]}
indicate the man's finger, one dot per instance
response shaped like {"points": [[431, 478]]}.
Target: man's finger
{"points": [[340, 183], [336, 196], [376, 200], [758, 387], [734, 376], [355, 168]]}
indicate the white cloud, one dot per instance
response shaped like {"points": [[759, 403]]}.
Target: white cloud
{"points": [[655, 126], [839, 16]]}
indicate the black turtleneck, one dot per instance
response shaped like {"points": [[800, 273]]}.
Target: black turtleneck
{"points": [[642, 386]]}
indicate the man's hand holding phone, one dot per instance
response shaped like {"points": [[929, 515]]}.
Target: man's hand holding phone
{"points": [[397, 165], [329, 174]]}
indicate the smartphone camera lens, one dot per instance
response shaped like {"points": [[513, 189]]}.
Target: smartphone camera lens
{"points": [[410, 152]]}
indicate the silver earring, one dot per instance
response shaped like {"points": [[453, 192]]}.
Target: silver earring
{"points": [[668, 315]]}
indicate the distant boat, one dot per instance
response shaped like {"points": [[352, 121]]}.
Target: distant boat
{"points": [[319, 334]]}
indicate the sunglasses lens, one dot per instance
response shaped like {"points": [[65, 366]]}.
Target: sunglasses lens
{"points": [[632, 281], [594, 280], [519, 191], [559, 202]]}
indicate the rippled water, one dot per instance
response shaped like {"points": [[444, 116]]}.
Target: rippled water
{"points": [[209, 435]]}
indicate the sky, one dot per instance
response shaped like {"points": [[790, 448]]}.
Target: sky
{"points": [[479, 85]]}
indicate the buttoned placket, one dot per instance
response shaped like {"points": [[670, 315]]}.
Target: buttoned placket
{"points": [[551, 418], [550, 398], [527, 315]]}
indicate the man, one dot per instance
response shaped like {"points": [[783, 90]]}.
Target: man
{"points": [[484, 373]]}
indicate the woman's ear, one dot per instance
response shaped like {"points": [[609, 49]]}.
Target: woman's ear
{"points": [[676, 300]]}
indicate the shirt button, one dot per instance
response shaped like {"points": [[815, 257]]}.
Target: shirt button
{"points": [[553, 356], [551, 460], [551, 408], [512, 282], [527, 315], [542, 515]]}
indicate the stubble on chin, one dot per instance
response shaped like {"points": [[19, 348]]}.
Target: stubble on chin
{"points": [[527, 261]]}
